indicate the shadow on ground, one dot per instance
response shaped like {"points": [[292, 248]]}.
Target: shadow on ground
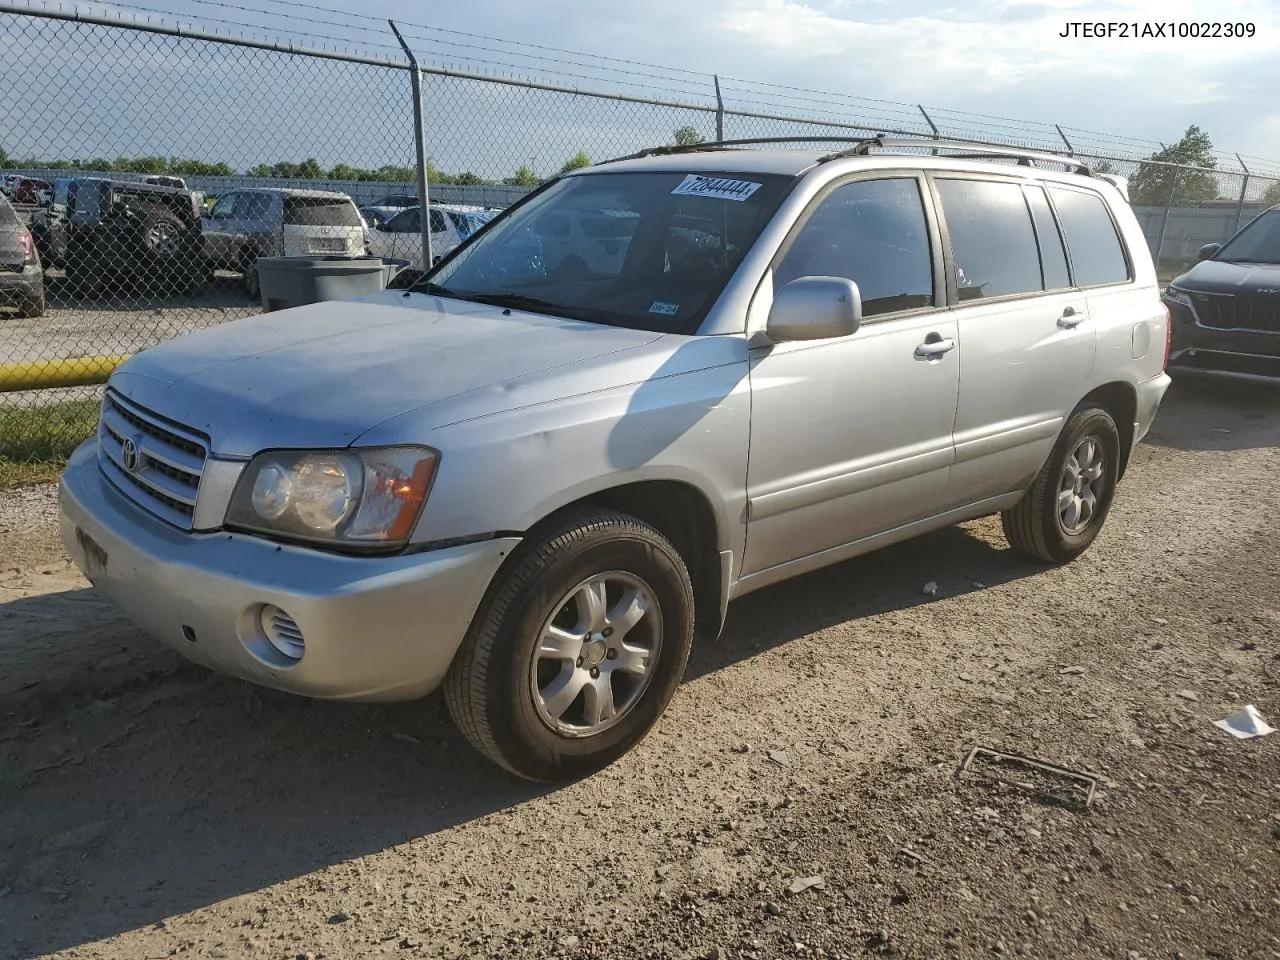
{"points": [[138, 786], [1209, 412]]}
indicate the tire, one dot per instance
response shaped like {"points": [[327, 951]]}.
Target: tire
{"points": [[160, 234], [501, 696], [1037, 527], [32, 307], [249, 272]]}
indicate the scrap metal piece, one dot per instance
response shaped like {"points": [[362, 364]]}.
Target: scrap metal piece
{"points": [[1088, 780]]}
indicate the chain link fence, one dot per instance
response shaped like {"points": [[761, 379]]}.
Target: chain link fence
{"points": [[279, 150]]}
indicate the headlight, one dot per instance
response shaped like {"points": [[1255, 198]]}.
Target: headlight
{"points": [[1177, 295], [370, 496]]}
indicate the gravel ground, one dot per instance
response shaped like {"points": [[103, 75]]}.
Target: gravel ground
{"points": [[799, 799], [119, 323]]}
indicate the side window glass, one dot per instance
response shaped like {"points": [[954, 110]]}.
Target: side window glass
{"points": [[410, 221], [1053, 259], [224, 208], [437, 222], [1096, 254], [257, 207], [874, 233], [992, 241]]}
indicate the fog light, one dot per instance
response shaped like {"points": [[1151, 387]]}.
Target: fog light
{"points": [[279, 628]]}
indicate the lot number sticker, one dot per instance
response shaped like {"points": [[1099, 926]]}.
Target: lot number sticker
{"points": [[664, 308], [718, 187]]}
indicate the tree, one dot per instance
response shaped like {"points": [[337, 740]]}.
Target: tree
{"points": [[1103, 166], [525, 177], [4, 158], [576, 162], [1272, 194], [1154, 186], [688, 136]]}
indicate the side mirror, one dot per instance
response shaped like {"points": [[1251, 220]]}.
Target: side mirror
{"points": [[814, 308], [1208, 250]]}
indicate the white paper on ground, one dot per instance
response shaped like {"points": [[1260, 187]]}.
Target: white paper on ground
{"points": [[1245, 723]]}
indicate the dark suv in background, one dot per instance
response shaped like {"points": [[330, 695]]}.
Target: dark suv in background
{"points": [[112, 231], [1226, 309]]}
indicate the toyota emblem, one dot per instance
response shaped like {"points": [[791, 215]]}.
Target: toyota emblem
{"points": [[129, 453]]}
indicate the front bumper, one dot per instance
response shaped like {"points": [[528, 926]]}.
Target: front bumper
{"points": [[1197, 347], [374, 628]]}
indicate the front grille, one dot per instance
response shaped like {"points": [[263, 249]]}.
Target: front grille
{"points": [[161, 469], [1228, 311]]}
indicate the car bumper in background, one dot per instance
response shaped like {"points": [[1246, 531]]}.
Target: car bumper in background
{"points": [[372, 628], [24, 284], [1243, 352]]}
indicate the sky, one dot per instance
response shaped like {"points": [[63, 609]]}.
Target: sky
{"points": [[966, 62]]}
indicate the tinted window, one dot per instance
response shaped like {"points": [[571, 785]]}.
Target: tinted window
{"points": [[321, 212], [437, 222], [992, 241], [410, 221], [872, 232], [253, 206], [1053, 259], [224, 208], [1259, 242], [1096, 254], [8, 216]]}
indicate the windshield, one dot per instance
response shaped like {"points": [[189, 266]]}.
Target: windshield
{"points": [[1259, 242], [650, 251]]}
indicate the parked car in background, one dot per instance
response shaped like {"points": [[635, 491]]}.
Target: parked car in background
{"points": [[166, 181], [21, 275], [279, 222], [373, 216], [7, 183], [531, 487], [116, 232], [451, 224], [49, 223], [1226, 309], [27, 190]]}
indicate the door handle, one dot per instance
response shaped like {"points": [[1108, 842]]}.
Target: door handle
{"points": [[1070, 319], [935, 348]]}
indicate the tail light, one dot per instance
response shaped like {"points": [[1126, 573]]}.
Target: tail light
{"points": [[1168, 337], [28, 246]]}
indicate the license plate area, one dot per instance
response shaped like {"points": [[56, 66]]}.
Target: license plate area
{"points": [[328, 245], [95, 558]]}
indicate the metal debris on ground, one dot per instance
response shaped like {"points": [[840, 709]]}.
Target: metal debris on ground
{"points": [[930, 589], [1245, 724], [1035, 776]]}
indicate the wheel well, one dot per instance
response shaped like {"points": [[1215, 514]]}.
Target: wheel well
{"points": [[685, 517], [1121, 401]]}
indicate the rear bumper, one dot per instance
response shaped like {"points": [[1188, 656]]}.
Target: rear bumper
{"points": [[21, 284], [374, 628], [1150, 393]]}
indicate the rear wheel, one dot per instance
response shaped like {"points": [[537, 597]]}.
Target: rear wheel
{"points": [[1067, 505], [249, 271], [578, 649]]}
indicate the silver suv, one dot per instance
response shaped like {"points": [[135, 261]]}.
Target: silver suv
{"points": [[277, 222], [535, 476]]}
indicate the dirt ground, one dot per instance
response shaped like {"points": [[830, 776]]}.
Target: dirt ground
{"points": [[151, 809]]}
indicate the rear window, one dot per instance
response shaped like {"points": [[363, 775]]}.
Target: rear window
{"points": [[1096, 254], [321, 212]]}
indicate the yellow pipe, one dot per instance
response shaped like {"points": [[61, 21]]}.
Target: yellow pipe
{"points": [[66, 372]]}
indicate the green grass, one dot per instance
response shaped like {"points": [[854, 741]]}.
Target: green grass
{"points": [[36, 441]]}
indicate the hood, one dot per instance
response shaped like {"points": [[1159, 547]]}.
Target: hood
{"points": [[323, 374], [1219, 276]]}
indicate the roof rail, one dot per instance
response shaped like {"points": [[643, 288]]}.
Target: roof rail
{"points": [[975, 149]]}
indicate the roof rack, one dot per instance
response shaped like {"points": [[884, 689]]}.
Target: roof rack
{"points": [[862, 146]]}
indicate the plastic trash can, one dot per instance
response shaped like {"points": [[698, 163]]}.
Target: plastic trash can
{"points": [[293, 281]]}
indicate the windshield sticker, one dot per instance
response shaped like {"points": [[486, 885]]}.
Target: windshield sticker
{"points": [[663, 308], [718, 187]]}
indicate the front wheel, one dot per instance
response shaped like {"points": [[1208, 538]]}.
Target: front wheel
{"points": [[1067, 505], [578, 649]]}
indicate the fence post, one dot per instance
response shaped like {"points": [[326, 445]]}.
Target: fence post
{"points": [[719, 108], [932, 126], [1240, 204], [1168, 206], [420, 145]]}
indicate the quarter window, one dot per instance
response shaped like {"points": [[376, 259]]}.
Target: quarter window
{"points": [[1053, 259], [872, 232], [993, 243], [1096, 254]]}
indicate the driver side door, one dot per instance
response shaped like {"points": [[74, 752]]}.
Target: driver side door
{"points": [[852, 436], [216, 231]]}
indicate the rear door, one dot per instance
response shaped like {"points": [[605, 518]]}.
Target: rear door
{"points": [[317, 225], [1028, 343]]}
